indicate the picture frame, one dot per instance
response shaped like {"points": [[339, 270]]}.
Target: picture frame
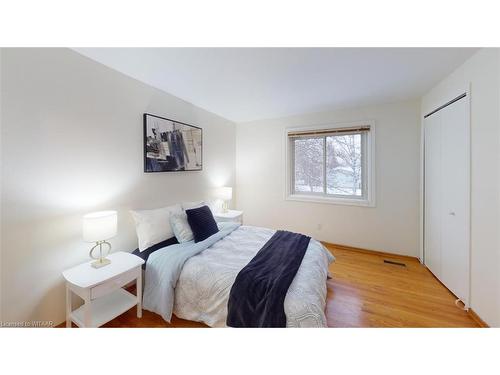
{"points": [[171, 146]]}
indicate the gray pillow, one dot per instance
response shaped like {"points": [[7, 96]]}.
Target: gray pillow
{"points": [[180, 227]]}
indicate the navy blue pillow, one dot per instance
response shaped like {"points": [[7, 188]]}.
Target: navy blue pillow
{"points": [[202, 223], [160, 245]]}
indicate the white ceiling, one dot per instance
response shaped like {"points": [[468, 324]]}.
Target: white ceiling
{"points": [[245, 84]]}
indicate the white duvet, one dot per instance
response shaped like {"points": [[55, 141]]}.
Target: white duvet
{"points": [[202, 289]]}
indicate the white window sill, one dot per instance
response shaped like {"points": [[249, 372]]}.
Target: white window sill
{"points": [[330, 200]]}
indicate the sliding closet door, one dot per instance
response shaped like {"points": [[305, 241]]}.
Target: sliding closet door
{"points": [[447, 181]]}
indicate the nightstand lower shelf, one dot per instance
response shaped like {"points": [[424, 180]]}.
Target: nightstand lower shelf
{"points": [[105, 308]]}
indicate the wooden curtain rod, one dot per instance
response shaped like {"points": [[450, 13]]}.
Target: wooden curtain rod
{"points": [[329, 131]]}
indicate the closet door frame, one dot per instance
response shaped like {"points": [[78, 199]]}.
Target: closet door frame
{"points": [[438, 102]]}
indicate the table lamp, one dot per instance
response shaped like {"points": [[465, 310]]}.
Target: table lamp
{"points": [[99, 227], [225, 193]]}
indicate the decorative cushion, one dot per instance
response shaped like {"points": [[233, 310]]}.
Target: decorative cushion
{"points": [[202, 223], [153, 226], [180, 226]]}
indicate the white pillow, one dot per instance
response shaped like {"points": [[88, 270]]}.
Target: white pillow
{"points": [[180, 226], [153, 226], [189, 205]]}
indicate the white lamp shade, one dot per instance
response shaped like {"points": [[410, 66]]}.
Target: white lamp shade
{"points": [[225, 193], [99, 226]]}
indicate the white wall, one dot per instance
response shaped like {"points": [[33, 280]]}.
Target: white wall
{"points": [[482, 72], [1, 164], [72, 143], [391, 226]]}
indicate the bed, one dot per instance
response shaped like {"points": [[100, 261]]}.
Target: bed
{"points": [[193, 280]]}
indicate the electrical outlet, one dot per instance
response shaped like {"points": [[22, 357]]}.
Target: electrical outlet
{"points": [[319, 226]]}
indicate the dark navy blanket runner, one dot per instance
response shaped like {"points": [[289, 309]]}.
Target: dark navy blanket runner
{"points": [[257, 296]]}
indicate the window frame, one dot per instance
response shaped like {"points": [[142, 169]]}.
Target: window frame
{"points": [[368, 165]]}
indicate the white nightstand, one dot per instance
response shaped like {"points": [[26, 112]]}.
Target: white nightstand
{"points": [[230, 215], [101, 289]]}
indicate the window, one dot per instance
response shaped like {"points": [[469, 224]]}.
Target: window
{"points": [[331, 164]]}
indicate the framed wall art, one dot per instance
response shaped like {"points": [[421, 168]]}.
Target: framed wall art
{"points": [[171, 146]]}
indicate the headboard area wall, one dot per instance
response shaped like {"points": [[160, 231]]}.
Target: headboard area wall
{"points": [[74, 146]]}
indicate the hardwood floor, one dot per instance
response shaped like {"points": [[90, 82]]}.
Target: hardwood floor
{"points": [[365, 292]]}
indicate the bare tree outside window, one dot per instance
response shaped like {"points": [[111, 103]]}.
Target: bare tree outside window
{"points": [[343, 169], [309, 165], [343, 165]]}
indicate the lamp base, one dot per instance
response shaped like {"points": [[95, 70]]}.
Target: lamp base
{"points": [[100, 263]]}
